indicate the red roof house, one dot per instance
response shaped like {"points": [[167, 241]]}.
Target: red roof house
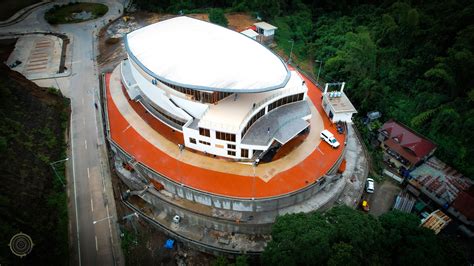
{"points": [[401, 141], [464, 203]]}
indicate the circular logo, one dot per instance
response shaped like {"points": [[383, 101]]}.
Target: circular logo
{"points": [[21, 244]]}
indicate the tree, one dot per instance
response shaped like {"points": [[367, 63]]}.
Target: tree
{"points": [[343, 236], [217, 16]]}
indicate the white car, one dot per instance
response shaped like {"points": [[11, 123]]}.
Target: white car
{"points": [[329, 138], [370, 185]]}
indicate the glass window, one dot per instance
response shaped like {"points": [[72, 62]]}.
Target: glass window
{"points": [[204, 132], [244, 153], [192, 140]]}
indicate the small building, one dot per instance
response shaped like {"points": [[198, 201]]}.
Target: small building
{"points": [[439, 185], [266, 32], [403, 147], [463, 206], [404, 202], [250, 33], [337, 105], [436, 221]]}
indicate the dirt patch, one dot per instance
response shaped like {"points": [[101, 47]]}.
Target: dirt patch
{"points": [[111, 45], [240, 21], [143, 244], [383, 198]]}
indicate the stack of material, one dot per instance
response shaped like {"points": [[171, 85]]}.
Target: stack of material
{"points": [[436, 221], [404, 202]]}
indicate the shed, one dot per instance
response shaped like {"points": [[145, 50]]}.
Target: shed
{"points": [[250, 33], [266, 31]]}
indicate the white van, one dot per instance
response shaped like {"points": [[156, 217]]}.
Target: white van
{"points": [[370, 185], [329, 138]]}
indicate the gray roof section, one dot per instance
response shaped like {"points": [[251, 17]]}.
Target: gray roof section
{"points": [[194, 124], [284, 123], [292, 128]]}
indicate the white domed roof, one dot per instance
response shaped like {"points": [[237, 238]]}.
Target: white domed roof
{"points": [[196, 54]]}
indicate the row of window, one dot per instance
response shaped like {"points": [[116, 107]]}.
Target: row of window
{"points": [[252, 120], [167, 116], [285, 100], [225, 136], [202, 96], [219, 135], [273, 105], [243, 152], [204, 132], [205, 142]]}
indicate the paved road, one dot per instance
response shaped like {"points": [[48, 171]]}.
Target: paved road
{"points": [[92, 214]]}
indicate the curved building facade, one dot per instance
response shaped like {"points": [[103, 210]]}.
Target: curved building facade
{"points": [[188, 113], [232, 99]]}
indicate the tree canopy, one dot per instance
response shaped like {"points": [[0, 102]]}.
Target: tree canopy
{"points": [[411, 60], [216, 15], [343, 236]]}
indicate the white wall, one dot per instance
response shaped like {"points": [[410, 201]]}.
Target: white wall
{"points": [[213, 149], [267, 33], [344, 117]]}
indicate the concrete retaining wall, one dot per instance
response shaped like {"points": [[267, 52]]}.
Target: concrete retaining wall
{"points": [[229, 203]]}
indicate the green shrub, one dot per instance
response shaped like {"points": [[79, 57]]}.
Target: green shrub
{"points": [[216, 15]]}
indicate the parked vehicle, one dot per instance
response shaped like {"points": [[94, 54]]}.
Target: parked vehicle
{"points": [[365, 206], [369, 185], [15, 64], [329, 138], [340, 128]]}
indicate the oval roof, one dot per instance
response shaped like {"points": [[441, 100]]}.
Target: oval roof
{"points": [[200, 55]]}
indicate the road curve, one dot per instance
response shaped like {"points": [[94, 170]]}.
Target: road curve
{"points": [[94, 235]]}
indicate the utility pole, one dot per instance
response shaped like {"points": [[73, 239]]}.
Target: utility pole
{"points": [[291, 50], [55, 172], [319, 69]]}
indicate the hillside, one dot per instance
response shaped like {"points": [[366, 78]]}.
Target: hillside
{"points": [[33, 121], [411, 60]]}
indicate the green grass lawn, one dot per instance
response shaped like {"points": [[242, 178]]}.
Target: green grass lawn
{"points": [[64, 14], [10, 7]]}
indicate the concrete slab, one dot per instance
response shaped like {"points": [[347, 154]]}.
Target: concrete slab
{"points": [[40, 56]]}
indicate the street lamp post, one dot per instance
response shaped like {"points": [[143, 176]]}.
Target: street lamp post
{"points": [[291, 50], [108, 217], [55, 172], [319, 69]]}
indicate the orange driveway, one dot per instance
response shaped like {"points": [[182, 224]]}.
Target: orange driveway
{"points": [[222, 183]]}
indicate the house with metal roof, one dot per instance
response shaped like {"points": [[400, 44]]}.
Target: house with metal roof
{"points": [[404, 147]]}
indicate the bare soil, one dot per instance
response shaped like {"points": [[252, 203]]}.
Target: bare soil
{"points": [[112, 51], [147, 242]]}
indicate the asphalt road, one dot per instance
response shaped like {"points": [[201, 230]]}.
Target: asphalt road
{"points": [[94, 237]]}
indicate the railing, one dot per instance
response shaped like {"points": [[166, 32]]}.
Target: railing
{"points": [[264, 101], [274, 129]]}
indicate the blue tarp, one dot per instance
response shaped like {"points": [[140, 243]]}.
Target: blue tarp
{"points": [[169, 244]]}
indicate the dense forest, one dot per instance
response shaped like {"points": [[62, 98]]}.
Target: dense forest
{"points": [[33, 198], [411, 60], [343, 236]]}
